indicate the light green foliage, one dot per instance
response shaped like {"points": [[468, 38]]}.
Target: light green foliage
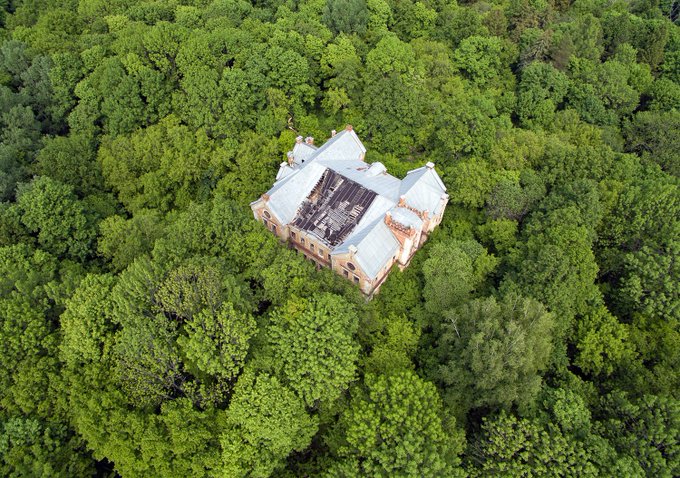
{"points": [[518, 447], [647, 429], [148, 363], [123, 240], [391, 101], [250, 172], [217, 341], [500, 234], [394, 428], [70, 160], [108, 96], [87, 320], [512, 199], [556, 265], [491, 352], [51, 210], [602, 342], [31, 448], [288, 275], [158, 167], [453, 271], [267, 421], [394, 347], [413, 19], [542, 88], [312, 341], [482, 59], [651, 133]]}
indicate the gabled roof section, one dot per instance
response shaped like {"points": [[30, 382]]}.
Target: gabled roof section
{"points": [[288, 193], [284, 170], [344, 146], [423, 189], [360, 172], [406, 217], [375, 246], [373, 251], [302, 152]]}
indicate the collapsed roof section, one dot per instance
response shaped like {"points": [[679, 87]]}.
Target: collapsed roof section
{"points": [[333, 208]]}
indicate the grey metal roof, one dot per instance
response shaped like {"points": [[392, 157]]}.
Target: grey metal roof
{"points": [[284, 170], [423, 189], [406, 217], [288, 193], [302, 152], [359, 172], [376, 246], [345, 145]]}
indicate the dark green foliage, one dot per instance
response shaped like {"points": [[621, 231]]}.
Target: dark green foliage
{"points": [[491, 352], [346, 16]]}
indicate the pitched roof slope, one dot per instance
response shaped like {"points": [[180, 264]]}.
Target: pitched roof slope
{"points": [[423, 189]]}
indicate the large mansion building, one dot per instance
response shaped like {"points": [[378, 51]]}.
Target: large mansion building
{"points": [[353, 217]]}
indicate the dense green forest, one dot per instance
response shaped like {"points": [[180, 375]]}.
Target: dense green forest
{"points": [[150, 327]]}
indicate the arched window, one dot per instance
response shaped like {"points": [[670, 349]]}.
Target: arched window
{"points": [[266, 214], [350, 266]]}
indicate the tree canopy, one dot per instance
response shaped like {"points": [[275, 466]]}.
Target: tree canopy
{"points": [[151, 327]]}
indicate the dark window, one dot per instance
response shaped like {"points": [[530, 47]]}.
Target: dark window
{"points": [[350, 266], [356, 280], [321, 252], [345, 273], [292, 234], [312, 247], [266, 223], [329, 256], [266, 214], [302, 241], [274, 228]]}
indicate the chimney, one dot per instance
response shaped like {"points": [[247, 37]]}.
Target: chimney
{"points": [[426, 214], [402, 201], [388, 218], [290, 158], [298, 140], [309, 140], [430, 165], [352, 250], [333, 133], [349, 127], [265, 197]]}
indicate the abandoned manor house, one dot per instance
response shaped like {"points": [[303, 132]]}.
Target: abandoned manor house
{"points": [[348, 215]]}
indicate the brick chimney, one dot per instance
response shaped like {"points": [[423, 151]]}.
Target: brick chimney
{"points": [[298, 140], [309, 140], [290, 158], [349, 127], [402, 201]]}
